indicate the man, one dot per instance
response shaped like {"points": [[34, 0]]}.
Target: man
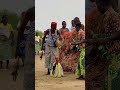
{"points": [[63, 29], [50, 48], [72, 25], [77, 20], [6, 43]]}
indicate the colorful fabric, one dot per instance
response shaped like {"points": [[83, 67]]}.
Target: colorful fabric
{"points": [[97, 66], [111, 24], [53, 25], [113, 76], [81, 64], [57, 71], [69, 54]]}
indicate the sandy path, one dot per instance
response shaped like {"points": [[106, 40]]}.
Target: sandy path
{"points": [[44, 82]]}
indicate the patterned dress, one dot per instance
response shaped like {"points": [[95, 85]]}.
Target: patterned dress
{"points": [[81, 62], [102, 69], [111, 25], [69, 54]]}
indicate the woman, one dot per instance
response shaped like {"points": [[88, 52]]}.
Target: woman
{"points": [[81, 63], [37, 43], [70, 53], [102, 59], [6, 42], [50, 48]]}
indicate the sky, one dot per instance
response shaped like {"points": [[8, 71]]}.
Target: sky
{"points": [[58, 11], [17, 6]]}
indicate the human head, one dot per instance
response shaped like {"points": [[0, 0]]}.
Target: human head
{"points": [[36, 33], [72, 23], [76, 20], [53, 25], [64, 24], [103, 5], [4, 19], [78, 26]]}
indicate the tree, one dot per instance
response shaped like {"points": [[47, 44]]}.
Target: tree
{"points": [[40, 33], [13, 18]]}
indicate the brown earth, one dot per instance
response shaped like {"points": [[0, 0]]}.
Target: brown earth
{"points": [[45, 82], [6, 81]]}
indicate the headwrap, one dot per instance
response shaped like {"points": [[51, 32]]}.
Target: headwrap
{"points": [[53, 25]]}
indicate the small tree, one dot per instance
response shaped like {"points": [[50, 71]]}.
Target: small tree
{"points": [[40, 33], [13, 18]]}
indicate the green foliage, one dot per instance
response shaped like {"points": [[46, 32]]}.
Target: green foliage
{"points": [[13, 18], [40, 33]]}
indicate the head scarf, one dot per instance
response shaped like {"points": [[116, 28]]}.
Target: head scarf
{"points": [[53, 25]]}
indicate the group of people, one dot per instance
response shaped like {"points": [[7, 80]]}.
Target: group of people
{"points": [[23, 41], [65, 44]]}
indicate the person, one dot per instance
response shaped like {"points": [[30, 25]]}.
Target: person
{"points": [[70, 53], [72, 25], [50, 48], [109, 50], [6, 43], [80, 71], [63, 29], [37, 43], [77, 20], [29, 64], [22, 41], [44, 43]]}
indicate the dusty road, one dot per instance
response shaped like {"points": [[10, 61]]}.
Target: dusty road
{"points": [[42, 81], [45, 82], [6, 82]]}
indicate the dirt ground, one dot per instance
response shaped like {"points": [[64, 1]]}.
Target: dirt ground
{"points": [[45, 82], [6, 82], [42, 81]]}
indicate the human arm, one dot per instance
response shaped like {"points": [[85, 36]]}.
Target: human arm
{"points": [[45, 34], [59, 33]]}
